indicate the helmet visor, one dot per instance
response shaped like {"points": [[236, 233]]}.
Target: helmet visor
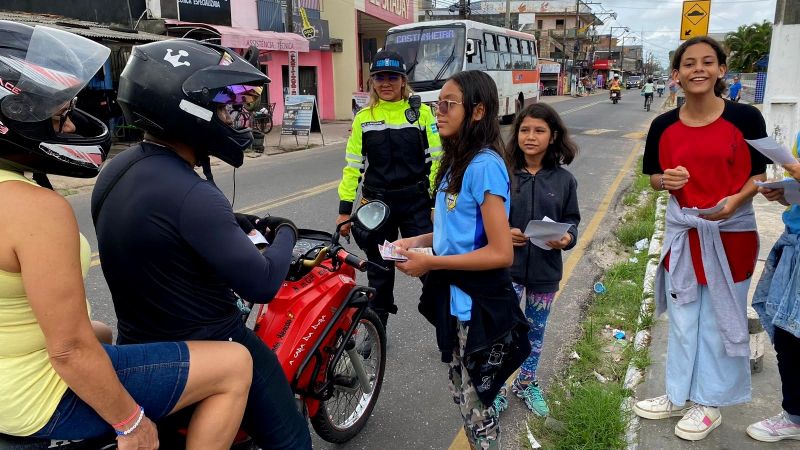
{"points": [[56, 66], [237, 94]]}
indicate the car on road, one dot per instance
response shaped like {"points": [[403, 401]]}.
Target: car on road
{"points": [[633, 81]]}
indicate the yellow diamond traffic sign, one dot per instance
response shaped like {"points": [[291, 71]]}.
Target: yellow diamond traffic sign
{"points": [[694, 19]]}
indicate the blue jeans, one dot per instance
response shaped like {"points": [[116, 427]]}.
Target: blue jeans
{"points": [[155, 376], [698, 369]]}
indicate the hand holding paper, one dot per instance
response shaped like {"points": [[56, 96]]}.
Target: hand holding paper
{"points": [[540, 232], [790, 186], [770, 148]]}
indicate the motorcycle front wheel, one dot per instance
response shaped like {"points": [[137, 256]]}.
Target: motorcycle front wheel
{"points": [[342, 416]]}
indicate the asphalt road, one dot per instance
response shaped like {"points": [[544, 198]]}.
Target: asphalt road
{"points": [[415, 409]]}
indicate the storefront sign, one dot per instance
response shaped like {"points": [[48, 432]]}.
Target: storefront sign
{"points": [[300, 116], [396, 12], [550, 68], [294, 82], [321, 38], [215, 12]]}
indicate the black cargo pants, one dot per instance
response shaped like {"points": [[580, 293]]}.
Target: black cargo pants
{"points": [[409, 216]]}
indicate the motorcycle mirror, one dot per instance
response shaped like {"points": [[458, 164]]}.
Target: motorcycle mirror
{"points": [[372, 215]]}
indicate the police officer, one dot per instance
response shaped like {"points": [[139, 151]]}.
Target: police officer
{"points": [[394, 151]]}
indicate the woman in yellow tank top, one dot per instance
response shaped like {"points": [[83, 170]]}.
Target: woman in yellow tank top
{"points": [[56, 379]]}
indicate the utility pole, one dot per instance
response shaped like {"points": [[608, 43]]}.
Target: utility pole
{"points": [[508, 14], [290, 16]]}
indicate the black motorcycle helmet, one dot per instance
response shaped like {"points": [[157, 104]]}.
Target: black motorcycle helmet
{"points": [[41, 71], [172, 89]]}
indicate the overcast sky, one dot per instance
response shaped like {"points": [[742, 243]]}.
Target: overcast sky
{"points": [[659, 21]]}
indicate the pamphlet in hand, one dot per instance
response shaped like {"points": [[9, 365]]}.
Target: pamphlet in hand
{"points": [[540, 232], [705, 211], [790, 186], [770, 148], [257, 238]]}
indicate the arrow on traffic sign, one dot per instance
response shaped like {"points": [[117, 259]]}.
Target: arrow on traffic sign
{"points": [[688, 32]]}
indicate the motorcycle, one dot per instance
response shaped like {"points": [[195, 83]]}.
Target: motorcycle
{"points": [[331, 345], [660, 91], [615, 96]]}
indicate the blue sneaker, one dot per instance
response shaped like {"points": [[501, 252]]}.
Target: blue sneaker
{"points": [[500, 403], [532, 394]]}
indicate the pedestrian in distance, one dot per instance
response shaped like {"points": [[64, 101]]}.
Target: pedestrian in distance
{"points": [[704, 291], [468, 294], [540, 187], [735, 90], [673, 93], [58, 381], [776, 300], [647, 90], [393, 152]]}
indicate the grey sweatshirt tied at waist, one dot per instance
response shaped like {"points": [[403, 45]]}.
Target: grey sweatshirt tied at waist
{"points": [[731, 321]]}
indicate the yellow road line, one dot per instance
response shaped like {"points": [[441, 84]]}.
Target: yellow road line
{"points": [[581, 107], [460, 441], [263, 206]]}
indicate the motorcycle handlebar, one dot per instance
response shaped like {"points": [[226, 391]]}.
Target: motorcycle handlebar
{"points": [[352, 260]]}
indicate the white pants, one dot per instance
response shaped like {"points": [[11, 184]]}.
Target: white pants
{"points": [[698, 369]]}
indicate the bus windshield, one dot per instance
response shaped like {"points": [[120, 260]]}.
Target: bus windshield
{"points": [[431, 54]]}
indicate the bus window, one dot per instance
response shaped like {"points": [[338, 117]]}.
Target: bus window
{"points": [[476, 61], [492, 57], [534, 55], [526, 55], [516, 57], [505, 56]]}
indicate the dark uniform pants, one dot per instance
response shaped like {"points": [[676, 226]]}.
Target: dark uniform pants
{"points": [[408, 215]]}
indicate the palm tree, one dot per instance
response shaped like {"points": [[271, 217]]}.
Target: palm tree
{"points": [[747, 45]]}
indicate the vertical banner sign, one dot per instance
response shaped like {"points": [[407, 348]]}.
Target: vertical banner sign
{"points": [[294, 86], [694, 18]]}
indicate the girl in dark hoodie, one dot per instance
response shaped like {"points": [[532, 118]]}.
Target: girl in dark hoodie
{"points": [[540, 188]]}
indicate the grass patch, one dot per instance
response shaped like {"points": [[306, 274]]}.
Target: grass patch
{"points": [[586, 397]]}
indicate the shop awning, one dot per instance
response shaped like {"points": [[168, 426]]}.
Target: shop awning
{"points": [[245, 37], [91, 30]]}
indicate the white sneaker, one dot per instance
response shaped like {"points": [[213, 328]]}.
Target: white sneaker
{"points": [[698, 422], [774, 429], [658, 408]]}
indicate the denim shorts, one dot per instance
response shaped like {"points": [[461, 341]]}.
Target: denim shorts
{"points": [[155, 376]]}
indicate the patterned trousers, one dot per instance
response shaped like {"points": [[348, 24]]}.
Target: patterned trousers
{"points": [[537, 310], [481, 422]]}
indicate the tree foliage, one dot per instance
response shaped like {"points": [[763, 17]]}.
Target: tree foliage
{"points": [[747, 45]]}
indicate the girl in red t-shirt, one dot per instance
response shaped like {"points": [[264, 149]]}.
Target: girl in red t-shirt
{"points": [[698, 153]]}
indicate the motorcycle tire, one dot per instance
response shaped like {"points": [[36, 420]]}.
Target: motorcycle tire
{"points": [[339, 429], [615, 101]]}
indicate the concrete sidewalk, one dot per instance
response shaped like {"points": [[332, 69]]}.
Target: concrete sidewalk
{"points": [[766, 393]]}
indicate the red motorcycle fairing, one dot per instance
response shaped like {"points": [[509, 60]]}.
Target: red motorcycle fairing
{"points": [[295, 319]]}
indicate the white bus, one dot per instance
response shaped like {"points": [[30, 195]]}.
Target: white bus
{"points": [[433, 51]]}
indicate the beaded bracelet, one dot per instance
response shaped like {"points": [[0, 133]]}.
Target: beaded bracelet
{"points": [[135, 424], [662, 183], [129, 419]]}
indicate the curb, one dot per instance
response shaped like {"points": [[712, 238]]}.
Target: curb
{"points": [[634, 376]]}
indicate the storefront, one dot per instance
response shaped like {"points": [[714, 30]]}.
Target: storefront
{"points": [[363, 32], [550, 77], [274, 59], [603, 70]]}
